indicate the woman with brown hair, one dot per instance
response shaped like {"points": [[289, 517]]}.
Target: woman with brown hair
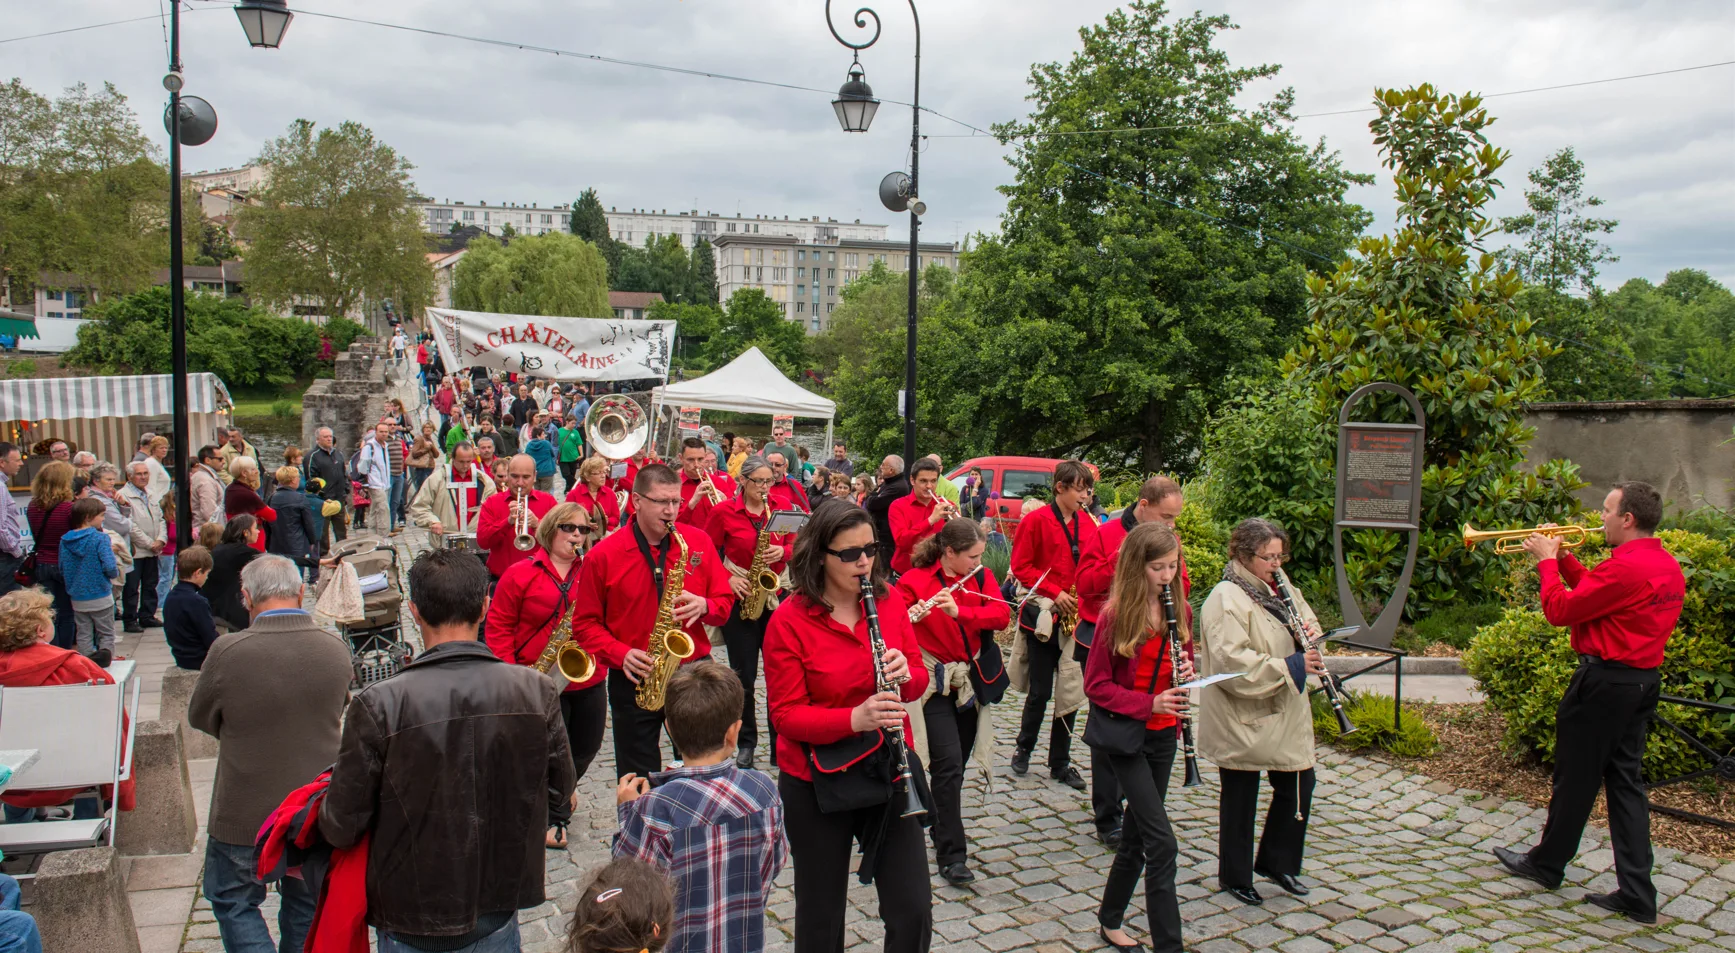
{"points": [[49, 516], [424, 457], [1131, 676], [242, 497], [591, 492]]}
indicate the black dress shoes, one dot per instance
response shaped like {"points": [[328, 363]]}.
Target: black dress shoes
{"points": [[1070, 777], [1110, 838], [1614, 903], [744, 757], [1285, 881], [957, 874], [1246, 895], [1128, 948], [1020, 761], [1521, 866]]}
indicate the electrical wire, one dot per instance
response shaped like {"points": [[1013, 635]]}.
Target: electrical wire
{"points": [[76, 29]]}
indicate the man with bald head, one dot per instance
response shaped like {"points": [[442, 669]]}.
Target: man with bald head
{"points": [[894, 486], [498, 525]]}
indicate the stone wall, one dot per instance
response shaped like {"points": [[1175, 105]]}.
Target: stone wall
{"points": [[352, 401], [1682, 447]]}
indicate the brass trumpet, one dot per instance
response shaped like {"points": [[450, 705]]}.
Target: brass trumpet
{"points": [[523, 539], [1508, 542]]}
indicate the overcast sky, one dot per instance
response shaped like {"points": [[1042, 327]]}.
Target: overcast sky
{"points": [[500, 124]]}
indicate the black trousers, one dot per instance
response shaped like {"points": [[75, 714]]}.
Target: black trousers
{"points": [[638, 734], [1147, 843], [569, 472], [1599, 741], [951, 735], [585, 712], [1281, 844], [822, 847], [1105, 791], [1044, 661], [138, 593], [743, 638]]}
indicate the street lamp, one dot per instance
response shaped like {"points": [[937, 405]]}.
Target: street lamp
{"points": [[855, 106], [265, 22]]}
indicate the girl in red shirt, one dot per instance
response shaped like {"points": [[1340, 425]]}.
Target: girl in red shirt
{"points": [[952, 634], [1130, 672], [819, 678], [734, 526]]}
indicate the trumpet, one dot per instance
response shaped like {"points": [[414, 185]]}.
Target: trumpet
{"points": [[522, 538], [710, 488], [1510, 542]]}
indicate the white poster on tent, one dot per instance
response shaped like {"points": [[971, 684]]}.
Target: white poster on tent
{"points": [[565, 349]]}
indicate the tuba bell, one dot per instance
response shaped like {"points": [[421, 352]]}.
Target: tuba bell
{"points": [[617, 427]]}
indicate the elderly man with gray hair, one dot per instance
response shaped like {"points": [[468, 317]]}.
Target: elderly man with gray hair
{"points": [[273, 695]]}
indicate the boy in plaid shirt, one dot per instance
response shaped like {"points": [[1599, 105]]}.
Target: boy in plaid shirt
{"points": [[715, 828]]}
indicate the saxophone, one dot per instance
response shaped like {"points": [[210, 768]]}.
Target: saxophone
{"points": [[669, 644], [564, 655], [1066, 622], [764, 582]]}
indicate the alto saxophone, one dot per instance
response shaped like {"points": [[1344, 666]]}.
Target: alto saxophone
{"points": [[1066, 621], [669, 644], [763, 581], [564, 655]]}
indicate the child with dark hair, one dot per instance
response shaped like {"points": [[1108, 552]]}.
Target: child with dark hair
{"points": [[188, 625], [626, 908]]}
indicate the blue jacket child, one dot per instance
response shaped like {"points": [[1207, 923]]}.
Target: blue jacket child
{"points": [[87, 560]]}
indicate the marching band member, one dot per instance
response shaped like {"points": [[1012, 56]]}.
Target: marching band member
{"points": [[953, 634], [1131, 673], [1263, 720], [1045, 557], [1159, 502], [619, 590], [529, 602], [787, 493], [591, 491], [435, 507], [501, 515], [918, 516], [735, 528], [697, 499], [821, 683]]}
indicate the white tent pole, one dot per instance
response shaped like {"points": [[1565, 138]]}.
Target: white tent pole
{"points": [[828, 443]]}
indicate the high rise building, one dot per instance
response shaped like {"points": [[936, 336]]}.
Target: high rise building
{"points": [[807, 278]]}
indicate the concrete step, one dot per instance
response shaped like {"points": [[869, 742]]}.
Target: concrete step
{"points": [[1413, 665]]}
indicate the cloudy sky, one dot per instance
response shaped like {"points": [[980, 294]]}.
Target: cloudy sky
{"points": [[503, 124]]}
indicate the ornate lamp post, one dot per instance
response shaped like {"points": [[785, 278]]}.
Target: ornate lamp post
{"points": [[855, 106]]}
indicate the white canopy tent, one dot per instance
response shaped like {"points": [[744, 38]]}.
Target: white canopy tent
{"points": [[750, 384]]}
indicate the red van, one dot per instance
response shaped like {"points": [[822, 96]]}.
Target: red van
{"points": [[1011, 478]]}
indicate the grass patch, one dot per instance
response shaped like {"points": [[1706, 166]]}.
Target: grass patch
{"points": [[270, 401], [23, 367], [1371, 714]]}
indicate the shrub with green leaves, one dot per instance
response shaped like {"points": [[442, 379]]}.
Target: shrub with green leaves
{"points": [[1523, 664], [1371, 714]]}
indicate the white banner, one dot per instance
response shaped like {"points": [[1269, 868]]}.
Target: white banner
{"points": [[562, 349]]}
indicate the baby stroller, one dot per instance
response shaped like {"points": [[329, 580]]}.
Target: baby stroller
{"points": [[376, 639]]}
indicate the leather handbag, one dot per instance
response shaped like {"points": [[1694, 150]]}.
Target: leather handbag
{"points": [[1114, 733], [853, 773]]}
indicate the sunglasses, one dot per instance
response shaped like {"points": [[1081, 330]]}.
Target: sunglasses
{"points": [[572, 527], [854, 553]]}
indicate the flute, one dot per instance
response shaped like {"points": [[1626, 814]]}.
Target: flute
{"points": [[927, 605]]}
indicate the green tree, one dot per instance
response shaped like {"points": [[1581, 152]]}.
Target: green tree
{"points": [[335, 226], [590, 223], [553, 274], [694, 326], [750, 319], [1558, 249], [704, 273], [1594, 357], [1139, 274], [1426, 308], [1683, 332], [662, 265]]}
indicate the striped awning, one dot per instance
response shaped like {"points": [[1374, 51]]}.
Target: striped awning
{"points": [[140, 395], [18, 324]]}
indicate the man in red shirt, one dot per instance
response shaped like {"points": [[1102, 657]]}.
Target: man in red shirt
{"points": [[497, 526], [787, 493], [1159, 500], [1621, 614], [619, 588], [919, 515], [1050, 540], [697, 500]]}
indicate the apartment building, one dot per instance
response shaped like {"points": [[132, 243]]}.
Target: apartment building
{"points": [[633, 226], [807, 278]]}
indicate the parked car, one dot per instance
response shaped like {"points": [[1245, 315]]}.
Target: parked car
{"points": [[1011, 479]]}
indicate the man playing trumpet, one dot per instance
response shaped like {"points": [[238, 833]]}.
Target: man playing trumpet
{"points": [[509, 518], [919, 515], [700, 491]]}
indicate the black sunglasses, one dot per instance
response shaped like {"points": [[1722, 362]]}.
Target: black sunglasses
{"points": [[571, 527], [854, 553]]}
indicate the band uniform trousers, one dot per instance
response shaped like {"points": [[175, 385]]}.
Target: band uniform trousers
{"points": [[822, 847], [1105, 791], [585, 712], [743, 639], [951, 735], [1043, 659], [1147, 843], [1599, 741], [1281, 843], [638, 734]]}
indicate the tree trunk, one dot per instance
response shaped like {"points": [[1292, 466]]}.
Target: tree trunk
{"points": [[1150, 438]]}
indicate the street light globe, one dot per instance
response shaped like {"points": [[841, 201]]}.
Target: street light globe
{"points": [[855, 103], [265, 22]]}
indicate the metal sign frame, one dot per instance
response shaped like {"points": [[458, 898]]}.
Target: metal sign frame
{"points": [[1381, 631]]}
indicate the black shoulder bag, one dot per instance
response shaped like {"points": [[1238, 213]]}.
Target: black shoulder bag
{"points": [[1112, 732], [988, 676], [25, 574]]}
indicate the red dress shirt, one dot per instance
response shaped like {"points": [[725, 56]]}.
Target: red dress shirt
{"points": [[1041, 545], [940, 635], [1123, 685], [494, 531], [908, 517], [1621, 611], [736, 533], [789, 495], [604, 497], [697, 516], [817, 671], [526, 608], [617, 596], [1096, 565]]}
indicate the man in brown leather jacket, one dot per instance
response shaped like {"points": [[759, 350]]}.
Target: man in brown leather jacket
{"points": [[452, 767]]}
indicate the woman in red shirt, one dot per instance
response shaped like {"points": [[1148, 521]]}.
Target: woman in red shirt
{"points": [[528, 604], [820, 686], [952, 634], [734, 526], [591, 491], [1130, 672], [242, 497]]}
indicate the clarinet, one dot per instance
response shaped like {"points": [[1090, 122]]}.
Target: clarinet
{"points": [[912, 806], [1329, 683], [1190, 772]]}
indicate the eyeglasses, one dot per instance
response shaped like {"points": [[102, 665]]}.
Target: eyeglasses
{"points": [[854, 553], [573, 527], [649, 501], [761, 481], [1275, 559]]}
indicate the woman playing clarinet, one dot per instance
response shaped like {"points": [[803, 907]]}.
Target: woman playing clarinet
{"points": [[735, 526], [1131, 672], [953, 599], [822, 685]]}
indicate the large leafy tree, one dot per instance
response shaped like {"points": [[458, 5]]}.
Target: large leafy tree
{"points": [[1429, 309], [1558, 247], [1682, 330], [704, 273], [590, 223], [1139, 274], [694, 326], [751, 319], [553, 274], [662, 265], [335, 225]]}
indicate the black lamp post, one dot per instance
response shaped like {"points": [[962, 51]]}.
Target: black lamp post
{"points": [[192, 120], [855, 106]]}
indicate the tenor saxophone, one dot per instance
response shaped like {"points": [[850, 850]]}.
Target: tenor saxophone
{"points": [[669, 644], [762, 580], [564, 655]]}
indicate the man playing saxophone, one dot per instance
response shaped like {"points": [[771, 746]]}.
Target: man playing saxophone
{"points": [[511, 515], [620, 587]]}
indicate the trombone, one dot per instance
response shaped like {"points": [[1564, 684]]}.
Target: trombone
{"points": [[523, 539], [1510, 542]]}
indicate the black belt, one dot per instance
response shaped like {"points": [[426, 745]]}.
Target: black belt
{"points": [[1608, 663]]}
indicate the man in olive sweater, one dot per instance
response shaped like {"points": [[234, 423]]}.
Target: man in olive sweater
{"points": [[273, 695]]}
